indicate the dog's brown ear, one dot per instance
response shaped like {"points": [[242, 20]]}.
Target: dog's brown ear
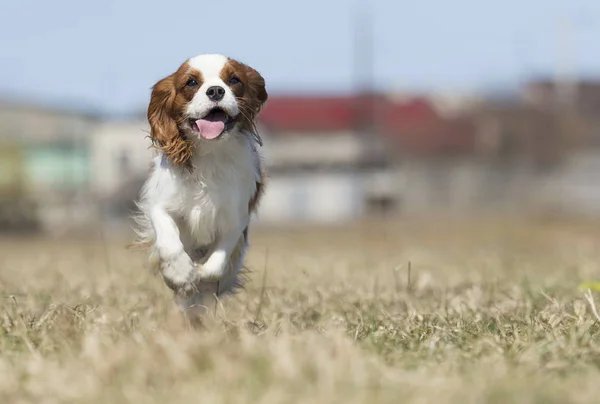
{"points": [[257, 88], [164, 131]]}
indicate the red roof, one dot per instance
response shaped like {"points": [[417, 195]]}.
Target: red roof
{"points": [[412, 126], [312, 114], [309, 114]]}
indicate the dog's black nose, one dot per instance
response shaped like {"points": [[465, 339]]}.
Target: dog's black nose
{"points": [[215, 93]]}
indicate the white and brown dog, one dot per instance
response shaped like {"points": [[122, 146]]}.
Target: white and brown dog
{"points": [[207, 178]]}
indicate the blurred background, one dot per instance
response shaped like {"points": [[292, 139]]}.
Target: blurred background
{"points": [[377, 109]]}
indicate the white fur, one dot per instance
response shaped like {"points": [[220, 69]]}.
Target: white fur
{"points": [[210, 66], [195, 220]]}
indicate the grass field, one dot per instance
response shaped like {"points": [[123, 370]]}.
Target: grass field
{"points": [[488, 311]]}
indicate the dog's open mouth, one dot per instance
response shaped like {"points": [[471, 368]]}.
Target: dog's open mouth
{"points": [[213, 124]]}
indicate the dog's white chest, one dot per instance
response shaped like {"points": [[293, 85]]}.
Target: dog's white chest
{"points": [[216, 196]]}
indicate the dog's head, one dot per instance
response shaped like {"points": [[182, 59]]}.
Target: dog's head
{"points": [[209, 98]]}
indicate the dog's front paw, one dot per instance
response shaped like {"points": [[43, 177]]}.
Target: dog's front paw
{"points": [[210, 272], [179, 274]]}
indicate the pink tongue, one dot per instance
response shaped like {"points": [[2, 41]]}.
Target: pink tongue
{"points": [[209, 129]]}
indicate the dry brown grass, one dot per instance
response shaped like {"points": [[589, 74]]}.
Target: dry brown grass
{"points": [[492, 313]]}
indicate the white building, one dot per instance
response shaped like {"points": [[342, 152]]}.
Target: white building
{"points": [[121, 153]]}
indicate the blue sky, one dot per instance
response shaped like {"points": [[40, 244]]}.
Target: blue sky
{"points": [[109, 53]]}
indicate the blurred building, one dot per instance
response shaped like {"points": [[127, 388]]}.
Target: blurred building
{"points": [[414, 154], [48, 166], [322, 167], [63, 168], [576, 109], [120, 158]]}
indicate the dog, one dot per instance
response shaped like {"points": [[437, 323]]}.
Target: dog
{"points": [[207, 178]]}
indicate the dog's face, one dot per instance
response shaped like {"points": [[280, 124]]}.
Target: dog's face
{"points": [[209, 98]]}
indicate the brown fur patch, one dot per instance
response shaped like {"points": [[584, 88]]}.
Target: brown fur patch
{"points": [[250, 92], [165, 114]]}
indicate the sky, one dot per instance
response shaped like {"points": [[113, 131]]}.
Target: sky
{"points": [[107, 54]]}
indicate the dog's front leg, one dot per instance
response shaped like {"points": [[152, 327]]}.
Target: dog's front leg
{"points": [[177, 268], [217, 263]]}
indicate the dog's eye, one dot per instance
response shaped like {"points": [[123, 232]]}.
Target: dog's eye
{"points": [[234, 80], [191, 83]]}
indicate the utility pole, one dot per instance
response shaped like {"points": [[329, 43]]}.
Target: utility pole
{"points": [[364, 69], [566, 77], [364, 78], [566, 90]]}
